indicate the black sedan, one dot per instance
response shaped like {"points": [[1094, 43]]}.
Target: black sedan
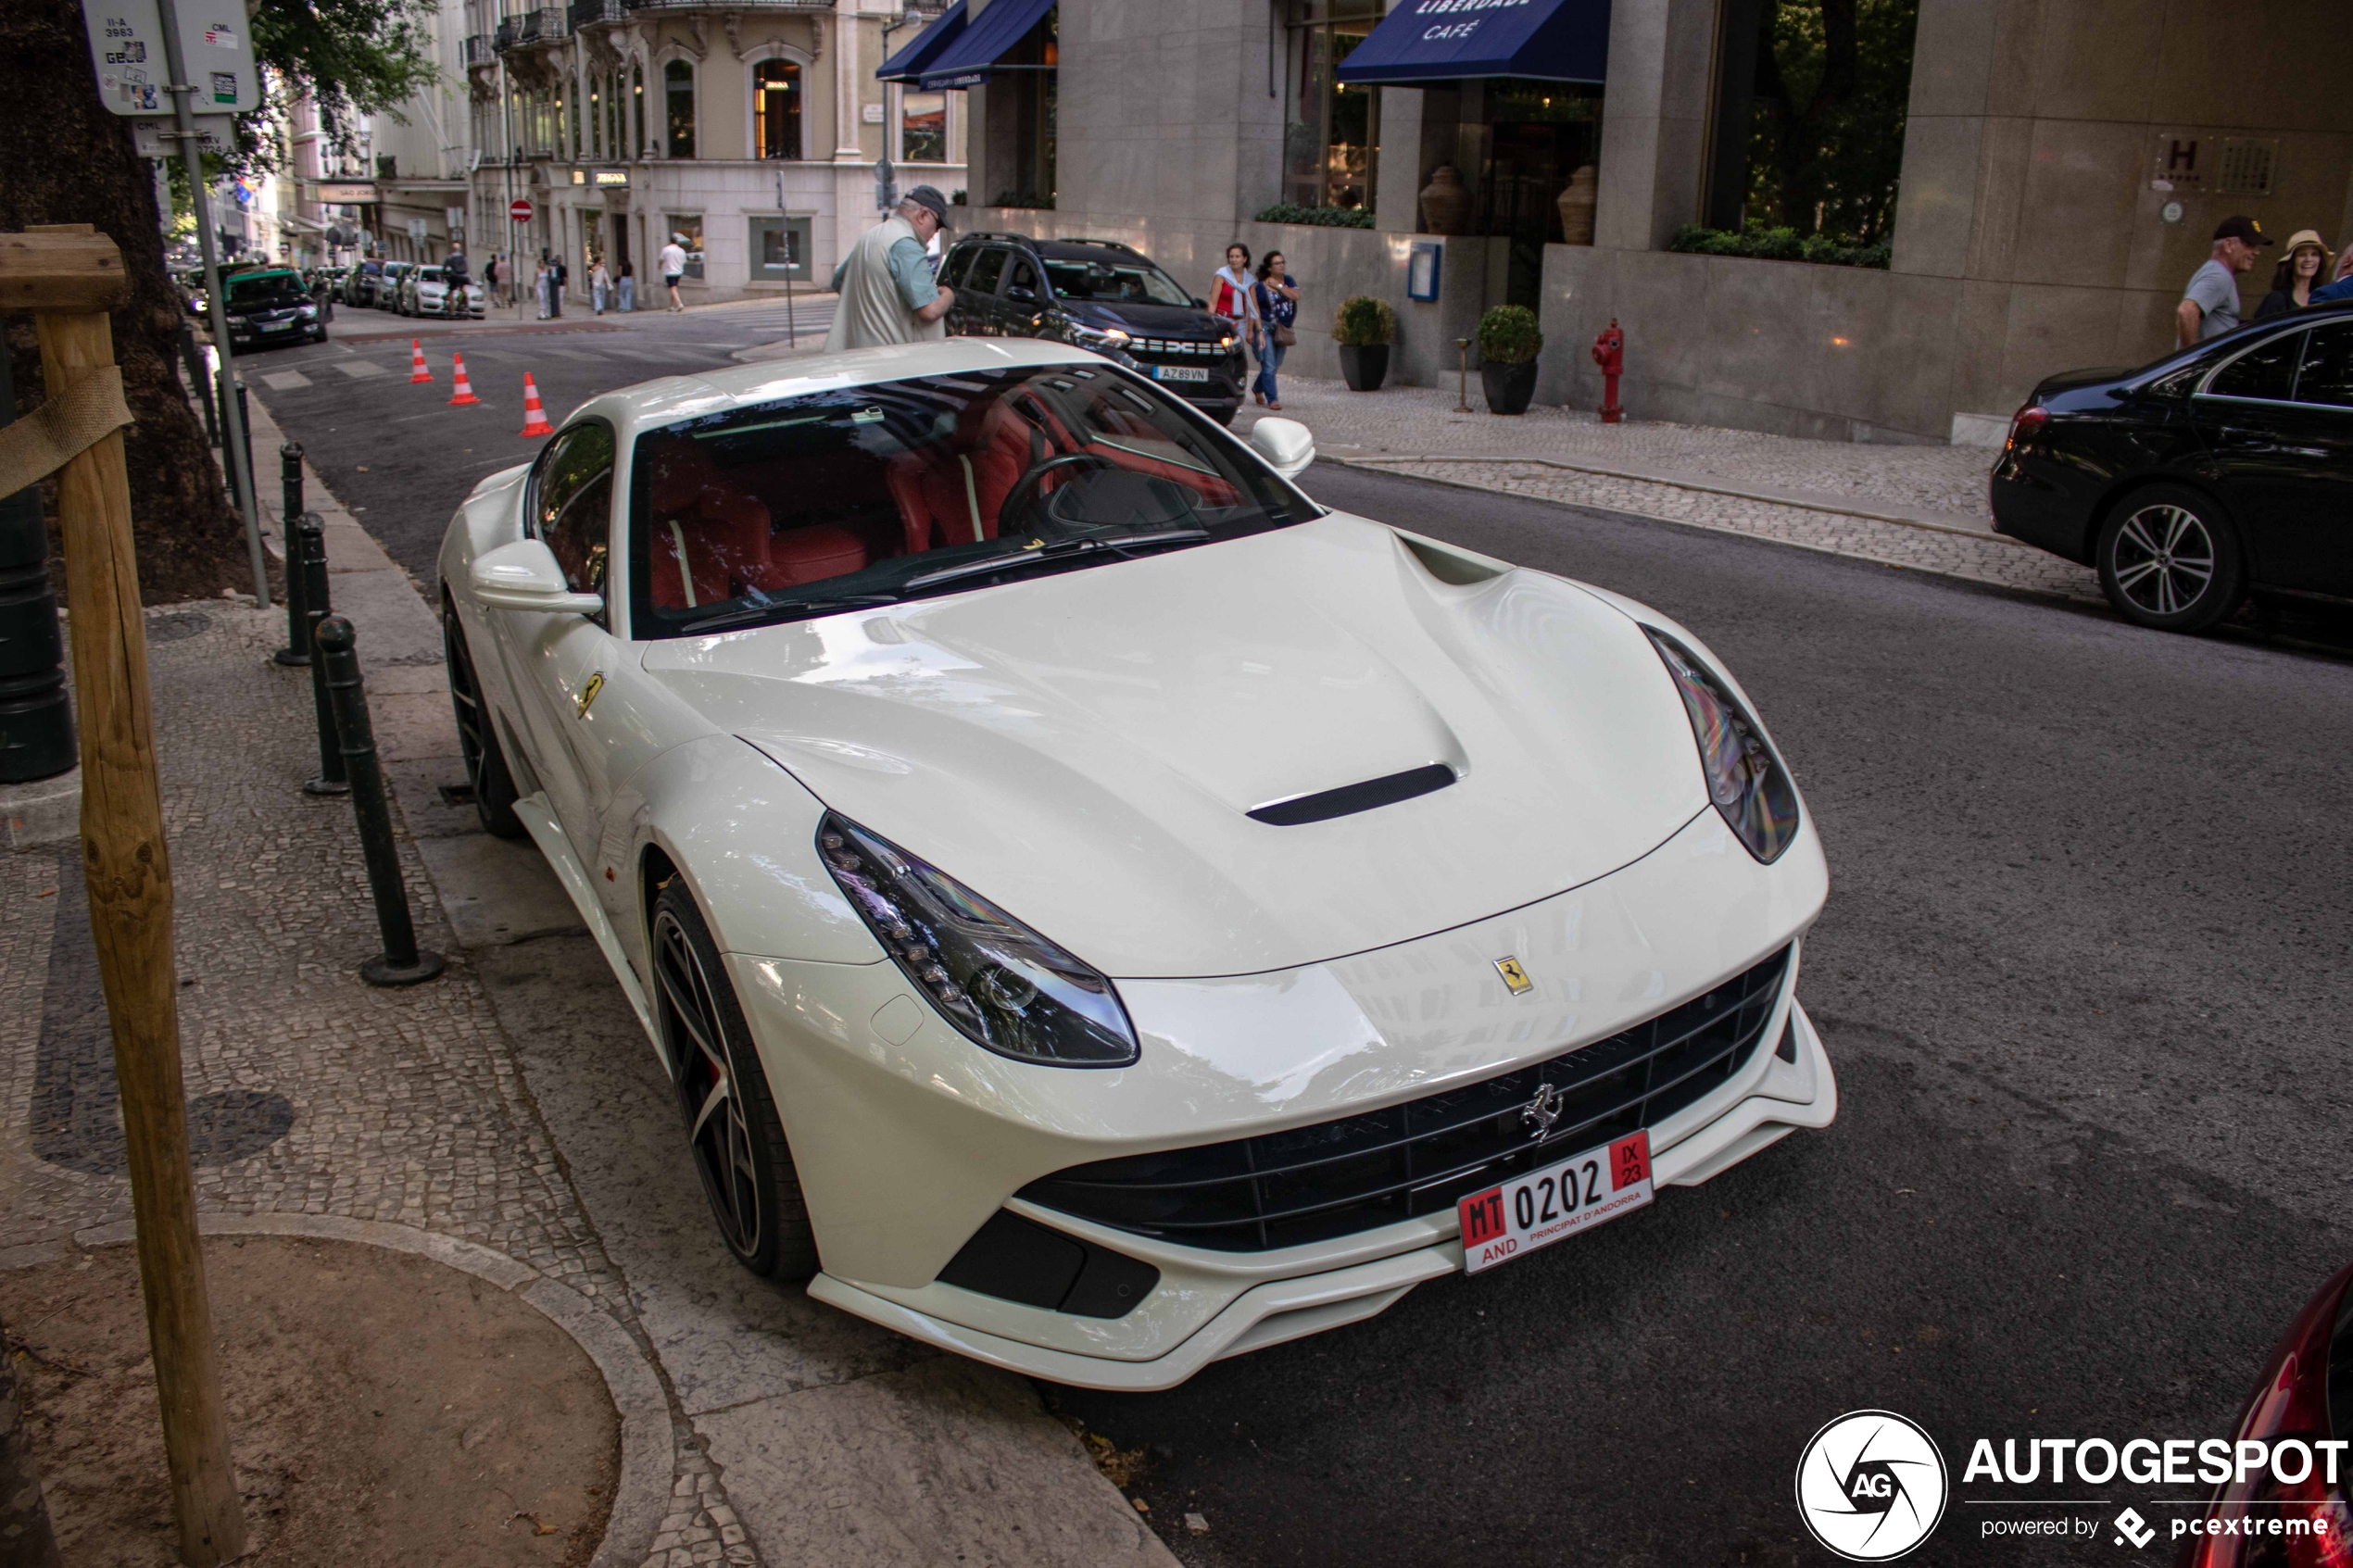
{"points": [[271, 307], [2218, 472]]}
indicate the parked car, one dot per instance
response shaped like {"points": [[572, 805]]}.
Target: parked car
{"points": [[2306, 1392], [2218, 472], [426, 291], [271, 307], [1102, 296], [389, 285], [1100, 912], [360, 283]]}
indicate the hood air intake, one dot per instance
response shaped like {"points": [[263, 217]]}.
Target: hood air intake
{"points": [[1348, 799]]}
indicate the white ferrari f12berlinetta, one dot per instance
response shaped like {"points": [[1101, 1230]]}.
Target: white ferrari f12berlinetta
{"points": [[1101, 911]]}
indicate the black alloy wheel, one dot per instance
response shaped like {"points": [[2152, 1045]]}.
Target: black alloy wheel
{"points": [[2167, 558], [486, 771], [731, 1127]]}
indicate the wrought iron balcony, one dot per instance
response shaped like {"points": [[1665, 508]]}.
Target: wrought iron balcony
{"points": [[480, 51], [587, 13], [504, 36], [533, 29]]}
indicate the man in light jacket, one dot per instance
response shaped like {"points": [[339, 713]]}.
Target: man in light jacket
{"points": [[885, 284]]}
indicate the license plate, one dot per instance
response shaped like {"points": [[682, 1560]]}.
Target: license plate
{"points": [[1180, 372], [275, 326], [1543, 1207]]}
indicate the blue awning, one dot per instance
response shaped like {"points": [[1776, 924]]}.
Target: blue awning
{"points": [[1448, 40], [1001, 24], [908, 62]]}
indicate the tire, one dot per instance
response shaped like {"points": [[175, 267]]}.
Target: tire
{"points": [[732, 1128], [486, 770], [2168, 559]]}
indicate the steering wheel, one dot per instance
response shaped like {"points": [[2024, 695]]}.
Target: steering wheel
{"points": [[1018, 499]]}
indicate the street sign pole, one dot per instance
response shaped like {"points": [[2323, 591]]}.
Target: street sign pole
{"points": [[232, 442]]}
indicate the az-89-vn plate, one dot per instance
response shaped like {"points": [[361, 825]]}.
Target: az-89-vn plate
{"points": [[1541, 1208]]}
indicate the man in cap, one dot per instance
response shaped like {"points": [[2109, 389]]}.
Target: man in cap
{"points": [[2210, 305], [887, 291]]}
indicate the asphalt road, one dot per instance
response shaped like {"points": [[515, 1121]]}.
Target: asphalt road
{"points": [[2082, 977]]}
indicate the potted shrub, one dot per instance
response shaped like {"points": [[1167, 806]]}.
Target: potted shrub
{"points": [[1364, 330], [1508, 344]]}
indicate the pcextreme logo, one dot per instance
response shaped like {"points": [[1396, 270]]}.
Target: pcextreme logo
{"points": [[1871, 1485]]}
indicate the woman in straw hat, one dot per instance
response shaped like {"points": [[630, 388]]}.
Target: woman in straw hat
{"points": [[2302, 269]]}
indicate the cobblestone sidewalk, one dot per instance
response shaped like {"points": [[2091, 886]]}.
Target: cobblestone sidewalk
{"points": [[1921, 508]]}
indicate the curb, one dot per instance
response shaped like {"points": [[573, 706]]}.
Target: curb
{"points": [[641, 1494]]}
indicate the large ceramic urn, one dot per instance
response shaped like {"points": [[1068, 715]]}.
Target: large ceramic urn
{"points": [[1445, 202], [1577, 206]]}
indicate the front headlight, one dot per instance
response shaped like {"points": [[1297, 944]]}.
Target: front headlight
{"points": [[1748, 783], [309, 312], [1108, 339], [1005, 986]]}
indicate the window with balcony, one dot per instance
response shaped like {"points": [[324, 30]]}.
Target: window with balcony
{"points": [[678, 90], [923, 128], [776, 109]]}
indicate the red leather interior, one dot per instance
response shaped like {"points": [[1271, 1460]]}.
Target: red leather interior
{"points": [[709, 536]]}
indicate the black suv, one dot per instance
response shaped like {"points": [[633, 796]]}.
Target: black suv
{"points": [[1100, 295]]}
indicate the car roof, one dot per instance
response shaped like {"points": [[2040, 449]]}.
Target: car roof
{"points": [[717, 392]]}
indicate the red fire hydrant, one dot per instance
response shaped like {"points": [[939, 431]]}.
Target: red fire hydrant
{"points": [[1609, 353]]}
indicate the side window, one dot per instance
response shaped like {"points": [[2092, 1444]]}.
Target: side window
{"points": [[959, 261], [1025, 275], [987, 270], [2327, 373], [2267, 371], [572, 504]]}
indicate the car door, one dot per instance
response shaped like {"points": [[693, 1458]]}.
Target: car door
{"points": [[953, 273], [2310, 532], [980, 319], [2247, 416], [559, 663], [1022, 303]]}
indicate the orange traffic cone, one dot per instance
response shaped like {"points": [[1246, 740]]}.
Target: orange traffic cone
{"points": [[535, 418], [465, 391], [417, 372]]}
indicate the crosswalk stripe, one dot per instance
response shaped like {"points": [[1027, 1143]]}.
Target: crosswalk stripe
{"points": [[359, 368], [284, 381]]}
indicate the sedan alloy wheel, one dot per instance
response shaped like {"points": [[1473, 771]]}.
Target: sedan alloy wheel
{"points": [[2167, 560]]}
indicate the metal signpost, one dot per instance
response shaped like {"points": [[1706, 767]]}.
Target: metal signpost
{"points": [[126, 37], [792, 330], [518, 216]]}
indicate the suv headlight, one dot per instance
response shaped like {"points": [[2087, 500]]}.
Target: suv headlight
{"points": [[1749, 785], [1106, 339], [1006, 987], [309, 312]]}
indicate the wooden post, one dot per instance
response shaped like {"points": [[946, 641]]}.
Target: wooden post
{"points": [[68, 279]]}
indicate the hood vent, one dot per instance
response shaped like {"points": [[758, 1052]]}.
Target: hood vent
{"points": [[1348, 799]]}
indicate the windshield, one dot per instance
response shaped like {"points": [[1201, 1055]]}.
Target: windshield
{"points": [[265, 289], [430, 275], [1113, 283], [900, 490]]}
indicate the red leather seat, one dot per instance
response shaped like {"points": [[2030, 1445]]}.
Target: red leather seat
{"points": [[710, 538], [811, 555], [950, 494]]}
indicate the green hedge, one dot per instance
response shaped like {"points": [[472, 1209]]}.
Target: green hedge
{"points": [[1507, 335], [1322, 217], [1029, 199], [1364, 322], [1777, 245]]}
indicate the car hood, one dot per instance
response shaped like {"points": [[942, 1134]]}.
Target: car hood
{"points": [[1150, 320], [1082, 748]]}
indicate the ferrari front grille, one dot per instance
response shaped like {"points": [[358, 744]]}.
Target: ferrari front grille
{"points": [[1336, 1178]]}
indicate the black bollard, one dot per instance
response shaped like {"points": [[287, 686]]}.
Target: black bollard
{"points": [[36, 722], [297, 648], [402, 962], [311, 530]]}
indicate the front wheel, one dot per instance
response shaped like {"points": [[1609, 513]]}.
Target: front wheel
{"points": [[2168, 559], [486, 772], [732, 1128]]}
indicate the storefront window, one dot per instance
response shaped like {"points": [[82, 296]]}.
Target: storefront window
{"points": [[1032, 97], [923, 128], [1331, 130], [678, 83], [687, 227], [776, 109], [779, 250]]}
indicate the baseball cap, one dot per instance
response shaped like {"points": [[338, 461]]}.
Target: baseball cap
{"points": [[2240, 227], [930, 200]]}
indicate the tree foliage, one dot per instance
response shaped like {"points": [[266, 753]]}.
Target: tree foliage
{"points": [[1826, 134]]}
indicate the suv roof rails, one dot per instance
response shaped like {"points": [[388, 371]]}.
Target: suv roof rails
{"points": [[989, 235], [1085, 240]]}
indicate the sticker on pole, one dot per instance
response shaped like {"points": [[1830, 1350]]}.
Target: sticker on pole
{"points": [[519, 211], [216, 50]]}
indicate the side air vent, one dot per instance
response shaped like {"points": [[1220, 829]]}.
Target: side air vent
{"points": [[1348, 799]]}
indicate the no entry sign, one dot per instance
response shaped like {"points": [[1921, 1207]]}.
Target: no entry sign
{"points": [[520, 211]]}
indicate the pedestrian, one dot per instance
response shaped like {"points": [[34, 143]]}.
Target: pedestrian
{"points": [[2301, 271], [2342, 287], [673, 262], [1229, 293], [628, 285], [887, 292], [542, 280], [490, 280], [2210, 305], [599, 285], [559, 276], [1275, 296]]}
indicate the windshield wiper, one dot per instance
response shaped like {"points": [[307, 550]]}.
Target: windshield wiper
{"points": [[776, 608], [1061, 550]]}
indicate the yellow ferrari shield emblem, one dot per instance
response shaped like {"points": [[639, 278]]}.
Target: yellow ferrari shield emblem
{"points": [[588, 694], [1514, 976]]}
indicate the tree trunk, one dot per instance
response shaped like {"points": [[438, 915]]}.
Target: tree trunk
{"points": [[26, 1541], [65, 159]]}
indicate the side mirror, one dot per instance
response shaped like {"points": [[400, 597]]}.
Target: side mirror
{"points": [[525, 575], [1288, 447], [1200, 304], [1027, 297]]}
